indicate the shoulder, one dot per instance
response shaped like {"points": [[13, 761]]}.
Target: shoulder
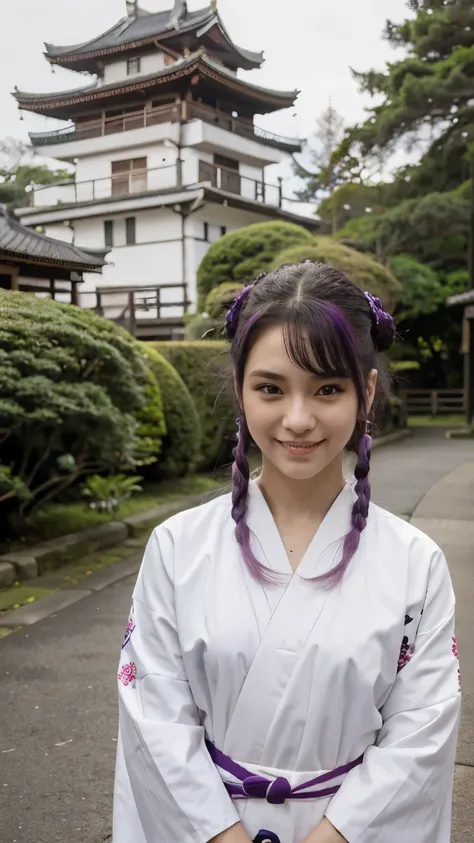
{"points": [[192, 524], [391, 527], [178, 538], [410, 551]]}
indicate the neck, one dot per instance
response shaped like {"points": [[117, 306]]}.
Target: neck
{"points": [[311, 498]]}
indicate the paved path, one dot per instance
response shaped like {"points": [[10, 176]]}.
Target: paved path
{"points": [[57, 690]]}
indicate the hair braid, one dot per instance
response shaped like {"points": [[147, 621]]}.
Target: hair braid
{"points": [[240, 488], [360, 511]]}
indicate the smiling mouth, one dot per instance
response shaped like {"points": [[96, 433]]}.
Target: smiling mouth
{"points": [[300, 448]]}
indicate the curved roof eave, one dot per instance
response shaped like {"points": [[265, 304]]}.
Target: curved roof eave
{"points": [[193, 62]]}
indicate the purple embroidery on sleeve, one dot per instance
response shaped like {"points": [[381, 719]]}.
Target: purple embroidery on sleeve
{"points": [[128, 674], [128, 631], [406, 653], [454, 649]]}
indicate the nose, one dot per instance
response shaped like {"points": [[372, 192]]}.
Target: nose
{"points": [[299, 416]]}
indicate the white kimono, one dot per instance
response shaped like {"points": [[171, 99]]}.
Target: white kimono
{"points": [[289, 681]]}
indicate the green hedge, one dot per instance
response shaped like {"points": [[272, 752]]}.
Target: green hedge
{"points": [[241, 255], [364, 270], [181, 444], [206, 369], [221, 298], [74, 399]]}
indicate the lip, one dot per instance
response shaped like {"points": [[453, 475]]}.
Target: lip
{"points": [[299, 449]]}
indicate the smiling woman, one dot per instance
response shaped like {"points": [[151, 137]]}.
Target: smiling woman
{"points": [[294, 676]]}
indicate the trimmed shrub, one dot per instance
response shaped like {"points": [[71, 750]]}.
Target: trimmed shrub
{"points": [[202, 327], [181, 444], [72, 389], [206, 370], [363, 270], [221, 298], [243, 254]]}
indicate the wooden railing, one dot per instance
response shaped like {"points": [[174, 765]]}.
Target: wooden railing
{"points": [[434, 402], [231, 181], [168, 113], [142, 304], [157, 179], [140, 119]]}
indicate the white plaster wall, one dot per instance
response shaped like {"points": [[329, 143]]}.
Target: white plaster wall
{"points": [[120, 142], [116, 71], [60, 231], [94, 173]]}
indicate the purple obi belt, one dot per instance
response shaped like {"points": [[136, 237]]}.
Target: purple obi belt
{"points": [[276, 791]]}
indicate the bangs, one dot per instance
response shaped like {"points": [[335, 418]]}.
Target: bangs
{"points": [[320, 340]]}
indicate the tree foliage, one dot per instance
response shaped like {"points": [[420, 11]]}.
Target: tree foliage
{"points": [[242, 254], [74, 390], [362, 269]]}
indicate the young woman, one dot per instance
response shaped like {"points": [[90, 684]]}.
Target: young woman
{"points": [[289, 671]]}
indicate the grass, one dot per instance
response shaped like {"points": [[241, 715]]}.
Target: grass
{"points": [[20, 595], [436, 421], [59, 519]]}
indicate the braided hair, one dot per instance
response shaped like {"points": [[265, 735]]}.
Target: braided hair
{"points": [[346, 329]]}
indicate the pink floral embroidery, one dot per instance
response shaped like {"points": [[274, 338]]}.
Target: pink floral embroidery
{"points": [[128, 631], [128, 673], [454, 649], [406, 653]]}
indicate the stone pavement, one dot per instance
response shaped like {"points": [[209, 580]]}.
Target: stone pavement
{"points": [[58, 694]]}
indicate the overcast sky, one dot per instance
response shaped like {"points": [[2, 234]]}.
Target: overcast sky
{"points": [[308, 44]]}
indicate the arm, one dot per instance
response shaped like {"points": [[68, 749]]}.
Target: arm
{"points": [[406, 777], [179, 795]]}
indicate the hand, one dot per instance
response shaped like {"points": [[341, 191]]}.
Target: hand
{"points": [[325, 833]]}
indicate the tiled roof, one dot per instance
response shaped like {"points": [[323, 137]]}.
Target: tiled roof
{"points": [[18, 241], [131, 30]]}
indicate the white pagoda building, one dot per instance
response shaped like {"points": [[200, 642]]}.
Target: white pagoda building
{"points": [[167, 158]]}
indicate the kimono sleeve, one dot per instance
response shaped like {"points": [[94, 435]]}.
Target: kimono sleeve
{"points": [[178, 793], [402, 790]]}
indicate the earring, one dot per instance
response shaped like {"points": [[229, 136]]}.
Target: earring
{"points": [[368, 427]]}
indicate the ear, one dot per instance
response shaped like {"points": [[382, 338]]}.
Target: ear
{"points": [[371, 387]]}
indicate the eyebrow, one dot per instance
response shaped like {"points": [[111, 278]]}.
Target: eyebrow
{"points": [[274, 376]]}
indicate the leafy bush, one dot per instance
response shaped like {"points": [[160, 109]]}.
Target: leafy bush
{"points": [[365, 271], [180, 446], [421, 288], [206, 370], [108, 493], [221, 298], [71, 384], [200, 326], [243, 254]]}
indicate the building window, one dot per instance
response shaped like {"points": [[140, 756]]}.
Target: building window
{"points": [[223, 230], [206, 232], [129, 176], [109, 232], [133, 66], [130, 231]]}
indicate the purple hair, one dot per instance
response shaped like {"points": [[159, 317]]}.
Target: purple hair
{"points": [[330, 327]]}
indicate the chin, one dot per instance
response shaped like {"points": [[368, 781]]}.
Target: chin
{"points": [[301, 469]]}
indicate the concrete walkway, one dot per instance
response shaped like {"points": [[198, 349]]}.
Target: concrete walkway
{"points": [[58, 690]]}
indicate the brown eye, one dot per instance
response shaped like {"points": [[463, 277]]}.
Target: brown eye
{"points": [[269, 389], [329, 390]]}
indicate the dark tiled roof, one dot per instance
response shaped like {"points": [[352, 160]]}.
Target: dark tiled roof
{"points": [[134, 29], [190, 63], [18, 241]]}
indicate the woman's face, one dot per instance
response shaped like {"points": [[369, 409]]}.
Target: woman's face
{"points": [[300, 422]]}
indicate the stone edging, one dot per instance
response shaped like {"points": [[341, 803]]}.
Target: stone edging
{"points": [[31, 562]]}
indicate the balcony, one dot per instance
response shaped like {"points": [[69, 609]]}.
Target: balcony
{"points": [[157, 180], [169, 113]]}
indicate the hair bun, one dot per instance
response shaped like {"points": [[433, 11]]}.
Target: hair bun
{"points": [[383, 326], [383, 331]]}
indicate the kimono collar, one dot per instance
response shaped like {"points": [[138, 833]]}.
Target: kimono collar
{"points": [[325, 546]]}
